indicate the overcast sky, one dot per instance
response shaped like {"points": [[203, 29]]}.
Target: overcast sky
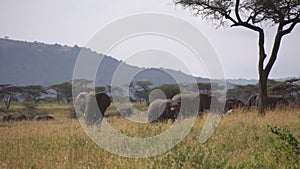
{"points": [[70, 22]]}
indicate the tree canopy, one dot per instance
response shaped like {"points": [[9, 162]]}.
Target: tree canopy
{"points": [[8, 92], [34, 92], [247, 13]]}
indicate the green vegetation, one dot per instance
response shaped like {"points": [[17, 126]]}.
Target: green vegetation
{"points": [[169, 90], [242, 140]]}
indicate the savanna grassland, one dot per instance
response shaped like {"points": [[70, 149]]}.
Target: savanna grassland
{"points": [[242, 140]]}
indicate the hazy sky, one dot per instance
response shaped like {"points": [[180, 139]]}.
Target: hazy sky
{"points": [[71, 22]]}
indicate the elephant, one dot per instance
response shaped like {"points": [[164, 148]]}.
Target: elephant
{"points": [[232, 103], [252, 101], [80, 101], [272, 101], [160, 110], [92, 105], [48, 117], [193, 103], [276, 100], [14, 118]]}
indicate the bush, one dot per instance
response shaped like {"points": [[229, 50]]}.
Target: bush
{"points": [[289, 147]]}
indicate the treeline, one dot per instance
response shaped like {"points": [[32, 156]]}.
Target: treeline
{"points": [[34, 93], [138, 91], [289, 89]]}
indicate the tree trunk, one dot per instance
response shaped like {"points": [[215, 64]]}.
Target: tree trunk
{"points": [[264, 72], [7, 102], [263, 76], [57, 96], [262, 93]]}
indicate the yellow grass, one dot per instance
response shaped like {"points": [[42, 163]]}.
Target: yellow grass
{"points": [[242, 140]]}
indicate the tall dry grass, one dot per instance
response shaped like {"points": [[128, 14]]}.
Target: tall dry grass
{"points": [[242, 140]]}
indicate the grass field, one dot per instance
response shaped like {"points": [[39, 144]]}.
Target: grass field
{"points": [[242, 140]]}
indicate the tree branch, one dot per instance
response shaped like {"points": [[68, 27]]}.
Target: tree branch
{"points": [[274, 53], [237, 14], [262, 52], [277, 42], [292, 26]]}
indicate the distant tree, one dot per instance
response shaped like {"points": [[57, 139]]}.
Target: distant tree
{"points": [[140, 90], [100, 89], [289, 89], [201, 87], [63, 91], [8, 93], [80, 85], [56, 89], [242, 92], [169, 90], [34, 92], [116, 90], [117, 93], [252, 15]]}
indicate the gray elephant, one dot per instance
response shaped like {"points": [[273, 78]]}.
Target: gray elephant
{"points": [[160, 110], [92, 106], [191, 104], [252, 101], [232, 103], [40, 118], [79, 102], [14, 118], [272, 101]]}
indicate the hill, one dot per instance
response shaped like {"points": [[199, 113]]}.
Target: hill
{"points": [[34, 63]]}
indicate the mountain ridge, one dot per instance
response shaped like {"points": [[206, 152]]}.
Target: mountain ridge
{"points": [[35, 63]]}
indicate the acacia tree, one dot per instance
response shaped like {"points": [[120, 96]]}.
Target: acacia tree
{"points": [[140, 89], [80, 85], [8, 93], [34, 92], [242, 92], [253, 15], [63, 91], [289, 89]]}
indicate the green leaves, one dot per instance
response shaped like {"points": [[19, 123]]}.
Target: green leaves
{"points": [[286, 136], [288, 146]]}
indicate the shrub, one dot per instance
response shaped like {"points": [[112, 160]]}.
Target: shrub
{"points": [[289, 146]]}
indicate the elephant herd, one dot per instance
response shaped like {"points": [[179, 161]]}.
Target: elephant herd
{"points": [[23, 117], [163, 109], [93, 105], [182, 106], [272, 101]]}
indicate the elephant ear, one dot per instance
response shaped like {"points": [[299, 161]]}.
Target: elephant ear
{"points": [[103, 102], [80, 103], [92, 112]]}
